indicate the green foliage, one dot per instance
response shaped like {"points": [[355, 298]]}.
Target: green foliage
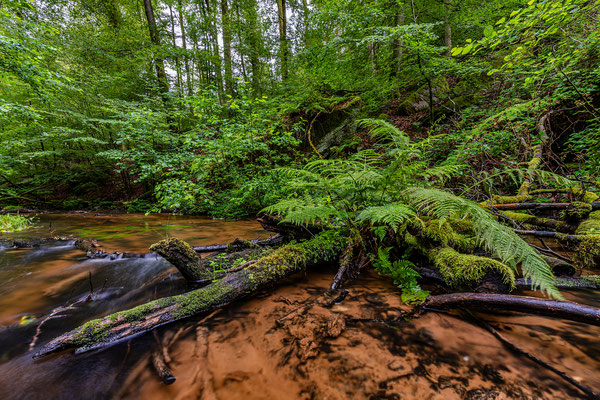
{"points": [[14, 222], [389, 185], [403, 275], [498, 239]]}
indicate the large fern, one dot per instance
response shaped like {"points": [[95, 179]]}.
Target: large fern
{"points": [[500, 240], [389, 186]]}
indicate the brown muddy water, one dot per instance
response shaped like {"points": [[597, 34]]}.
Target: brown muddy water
{"points": [[285, 343]]}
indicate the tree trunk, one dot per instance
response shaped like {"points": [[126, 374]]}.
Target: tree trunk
{"points": [[448, 39], [159, 63], [177, 61], [254, 44], [184, 44], [267, 270], [305, 13], [398, 44], [226, 24], [283, 45]]}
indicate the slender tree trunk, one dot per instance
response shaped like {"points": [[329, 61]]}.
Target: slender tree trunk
{"points": [[283, 45], [226, 24], [177, 62], [255, 41], [188, 75], [448, 38], [398, 44], [305, 13], [214, 38], [159, 63]]}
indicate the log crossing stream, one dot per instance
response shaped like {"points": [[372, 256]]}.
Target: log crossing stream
{"points": [[264, 348]]}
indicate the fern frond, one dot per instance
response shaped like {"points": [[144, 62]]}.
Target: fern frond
{"points": [[442, 171], [304, 211], [393, 215], [383, 130], [498, 239]]}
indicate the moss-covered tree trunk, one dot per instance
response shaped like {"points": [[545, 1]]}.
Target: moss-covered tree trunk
{"points": [[267, 270]]}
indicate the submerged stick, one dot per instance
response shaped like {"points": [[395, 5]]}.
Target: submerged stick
{"points": [[500, 302], [514, 348], [268, 270], [159, 363]]}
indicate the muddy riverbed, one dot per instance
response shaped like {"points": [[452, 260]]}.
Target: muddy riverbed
{"points": [[286, 343]]}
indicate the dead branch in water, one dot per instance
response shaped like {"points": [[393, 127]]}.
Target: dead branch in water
{"points": [[500, 302]]}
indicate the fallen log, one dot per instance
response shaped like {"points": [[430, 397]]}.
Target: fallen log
{"points": [[184, 258], [267, 270], [289, 230], [568, 282], [552, 235], [500, 302], [195, 269], [538, 206], [236, 244], [33, 243]]}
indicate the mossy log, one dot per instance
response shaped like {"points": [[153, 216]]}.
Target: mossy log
{"points": [[33, 243], [553, 235], [500, 302], [198, 270], [539, 206], [550, 223], [267, 270], [240, 244], [289, 230], [184, 258]]}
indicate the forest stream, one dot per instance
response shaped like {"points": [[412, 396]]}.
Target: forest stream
{"points": [[281, 344]]}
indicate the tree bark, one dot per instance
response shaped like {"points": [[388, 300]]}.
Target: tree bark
{"points": [[448, 38], [398, 44], [283, 45], [159, 63], [226, 25], [177, 61], [267, 270], [184, 44]]}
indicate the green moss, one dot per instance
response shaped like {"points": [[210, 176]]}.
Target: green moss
{"points": [[590, 226], [521, 198], [198, 300], [521, 217], [587, 197], [457, 268], [461, 225], [588, 252], [538, 221], [578, 212], [442, 232]]}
